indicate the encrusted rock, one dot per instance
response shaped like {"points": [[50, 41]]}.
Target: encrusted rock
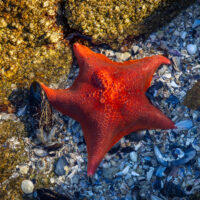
{"points": [[192, 99], [31, 45], [113, 21], [11, 148]]}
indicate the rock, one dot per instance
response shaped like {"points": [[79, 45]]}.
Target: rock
{"points": [[119, 19], [125, 170], [191, 49], [48, 194], [109, 173], [192, 99], [150, 173], [153, 197], [24, 169], [135, 49], [12, 149], [160, 171], [40, 152], [27, 186], [173, 84], [172, 100], [133, 156], [123, 56], [184, 124], [176, 33], [196, 23], [172, 190], [183, 34], [61, 166], [3, 23], [32, 47]]}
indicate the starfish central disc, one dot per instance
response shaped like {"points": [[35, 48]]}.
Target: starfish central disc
{"points": [[108, 88]]}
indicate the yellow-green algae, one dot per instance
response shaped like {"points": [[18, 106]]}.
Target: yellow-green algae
{"points": [[113, 21], [31, 45], [12, 191], [12, 154], [192, 99]]}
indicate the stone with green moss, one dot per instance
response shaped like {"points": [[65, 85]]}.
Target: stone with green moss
{"points": [[192, 99], [113, 21], [32, 45]]}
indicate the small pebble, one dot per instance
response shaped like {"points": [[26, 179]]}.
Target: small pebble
{"points": [[40, 152], [133, 156], [150, 173], [134, 173], [123, 56], [184, 125], [183, 34], [196, 23], [176, 33], [125, 170], [110, 172], [153, 197], [191, 49], [135, 49], [27, 186], [160, 171], [173, 84], [24, 169], [61, 166]]}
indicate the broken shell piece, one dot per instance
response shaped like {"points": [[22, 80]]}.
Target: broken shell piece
{"points": [[189, 154]]}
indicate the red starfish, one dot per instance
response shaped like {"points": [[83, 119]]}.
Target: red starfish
{"points": [[108, 99]]}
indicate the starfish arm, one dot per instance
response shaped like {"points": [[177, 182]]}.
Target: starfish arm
{"points": [[142, 70], [150, 65], [98, 140], [149, 117], [89, 59], [64, 100]]}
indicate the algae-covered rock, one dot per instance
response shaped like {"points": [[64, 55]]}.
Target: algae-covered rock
{"points": [[192, 99], [31, 45], [113, 21], [12, 154], [12, 191], [12, 147]]}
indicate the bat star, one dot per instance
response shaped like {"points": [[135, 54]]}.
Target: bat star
{"points": [[108, 100]]}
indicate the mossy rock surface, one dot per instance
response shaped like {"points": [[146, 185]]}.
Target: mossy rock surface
{"points": [[192, 99], [113, 21], [32, 45]]}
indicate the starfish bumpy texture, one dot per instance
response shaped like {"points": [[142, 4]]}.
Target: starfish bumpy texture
{"points": [[108, 100]]}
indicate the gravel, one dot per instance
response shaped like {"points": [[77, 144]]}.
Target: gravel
{"points": [[132, 170]]}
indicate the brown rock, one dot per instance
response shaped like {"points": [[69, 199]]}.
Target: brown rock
{"points": [[192, 99]]}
